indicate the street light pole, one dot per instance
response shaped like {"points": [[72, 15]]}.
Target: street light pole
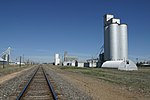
{"points": [[20, 61]]}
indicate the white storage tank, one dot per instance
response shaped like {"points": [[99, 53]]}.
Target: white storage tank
{"points": [[111, 37], [123, 42], [113, 42], [107, 18], [57, 59]]}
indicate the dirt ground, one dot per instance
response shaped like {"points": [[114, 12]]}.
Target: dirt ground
{"points": [[96, 88]]}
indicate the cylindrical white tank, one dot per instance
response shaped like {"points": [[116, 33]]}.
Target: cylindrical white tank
{"points": [[114, 42], [123, 42], [57, 59], [56, 56], [106, 43]]}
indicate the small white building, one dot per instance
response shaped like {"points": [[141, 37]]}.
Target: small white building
{"points": [[57, 59], [18, 63], [65, 63], [80, 64], [92, 64], [73, 63]]}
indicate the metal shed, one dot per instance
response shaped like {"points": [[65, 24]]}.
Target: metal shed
{"points": [[120, 65]]}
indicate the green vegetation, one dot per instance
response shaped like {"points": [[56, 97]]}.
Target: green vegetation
{"points": [[133, 80]]}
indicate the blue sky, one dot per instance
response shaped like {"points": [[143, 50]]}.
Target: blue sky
{"points": [[40, 28]]}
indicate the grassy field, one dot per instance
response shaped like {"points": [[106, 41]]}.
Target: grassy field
{"points": [[134, 80], [11, 68]]}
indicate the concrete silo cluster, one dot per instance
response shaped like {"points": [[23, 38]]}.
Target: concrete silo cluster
{"points": [[115, 39], [116, 44]]}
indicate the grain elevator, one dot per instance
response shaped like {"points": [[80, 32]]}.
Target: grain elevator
{"points": [[116, 44]]}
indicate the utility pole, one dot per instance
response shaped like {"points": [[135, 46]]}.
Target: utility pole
{"points": [[23, 58], [137, 60], [62, 61], [8, 59], [3, 63], [92, 62], [20, 61], [137, 63]]}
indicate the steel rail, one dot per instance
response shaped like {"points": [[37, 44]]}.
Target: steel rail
{"points": [[24, 89], [50, 86]]}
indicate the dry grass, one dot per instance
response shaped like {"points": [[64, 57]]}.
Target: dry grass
{"points": [[11, 68], [138, 81]]}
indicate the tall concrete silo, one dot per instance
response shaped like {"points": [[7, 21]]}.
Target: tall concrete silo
{"points": [[123, 42], [107, 17], [111, 38], [113, 42]]}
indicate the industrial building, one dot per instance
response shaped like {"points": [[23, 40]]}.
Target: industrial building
{"points": [[116, 45], [114, 52], [5, 56], [92, 62], [69, 60], [80, 64]]}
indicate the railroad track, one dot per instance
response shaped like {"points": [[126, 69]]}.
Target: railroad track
{"points": [[38, 88]]}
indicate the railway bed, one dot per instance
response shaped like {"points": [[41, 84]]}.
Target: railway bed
{"points": [[38, 87]]}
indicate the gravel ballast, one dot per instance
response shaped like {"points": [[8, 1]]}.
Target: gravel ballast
{"points": [[64, 89], [68, 91], [10, 87]]}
